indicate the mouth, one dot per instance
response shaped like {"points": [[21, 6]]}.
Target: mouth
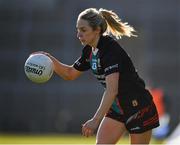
{"points": [[82, 40]]}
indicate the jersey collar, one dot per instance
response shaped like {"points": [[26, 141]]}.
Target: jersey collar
{"points": [[102, 41]]}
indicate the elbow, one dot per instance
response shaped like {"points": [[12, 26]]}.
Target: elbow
{"points": [[115, 93], [112, 93], [66, 77], [69, 76]]}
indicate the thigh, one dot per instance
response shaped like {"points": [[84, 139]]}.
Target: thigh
{"points": [[109, 131], [141, 138]]}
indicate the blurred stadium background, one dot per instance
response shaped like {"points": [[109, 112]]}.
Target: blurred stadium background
{"points": [[50, 25]]}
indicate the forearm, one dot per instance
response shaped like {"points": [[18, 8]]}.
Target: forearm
{"points": [[105, 105], [61, 69]]}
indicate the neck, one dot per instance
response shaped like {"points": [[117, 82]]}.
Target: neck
{"points": [[95, 42]]}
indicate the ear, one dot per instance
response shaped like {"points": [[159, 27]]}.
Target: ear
{"points": [[98, 30]]}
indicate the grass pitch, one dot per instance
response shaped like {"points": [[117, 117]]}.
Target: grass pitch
{"points": [[55, 139]]}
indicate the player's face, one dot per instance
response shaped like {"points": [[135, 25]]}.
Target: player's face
{"points": [[85, 33]]}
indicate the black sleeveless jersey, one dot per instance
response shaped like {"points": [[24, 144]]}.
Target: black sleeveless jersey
{"points": [[108, 58]]}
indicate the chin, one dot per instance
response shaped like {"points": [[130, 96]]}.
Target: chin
{"points": [[83, 43]]}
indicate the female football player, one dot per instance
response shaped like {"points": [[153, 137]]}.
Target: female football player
{"points": [[126, 104]]}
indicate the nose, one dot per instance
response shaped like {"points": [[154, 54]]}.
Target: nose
{"points": [[79, 35]]}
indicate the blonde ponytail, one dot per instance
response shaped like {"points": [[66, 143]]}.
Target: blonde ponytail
{"points": [[108, 21], [115, 26]]}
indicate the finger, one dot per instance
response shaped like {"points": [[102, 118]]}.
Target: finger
{"points": [[91, 132], [83, 130], [39, 52], [88, 132]]}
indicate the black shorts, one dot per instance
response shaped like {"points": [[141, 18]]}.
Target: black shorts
{"points": [[138, 115]]}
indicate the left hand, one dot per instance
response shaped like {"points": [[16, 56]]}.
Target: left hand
{"points": [[89, 127]]}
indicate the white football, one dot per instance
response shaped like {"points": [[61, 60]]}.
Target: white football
{"points": [[38, 68]]}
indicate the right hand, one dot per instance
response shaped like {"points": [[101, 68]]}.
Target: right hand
{"points": [[45, 53], [41, 52], [89, 127]]}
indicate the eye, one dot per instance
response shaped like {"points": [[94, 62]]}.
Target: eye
{"points": [[83, 30]]}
